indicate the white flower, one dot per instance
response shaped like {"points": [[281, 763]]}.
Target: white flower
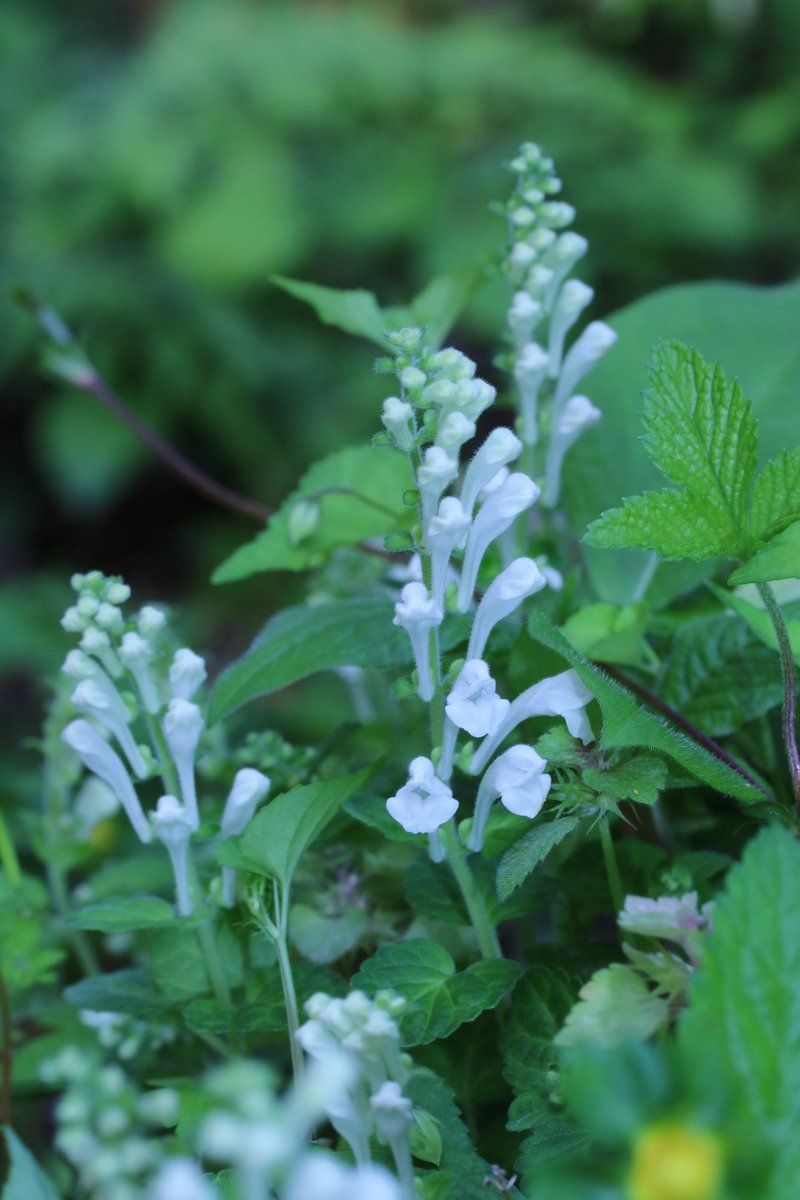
{"points": [[173, 826], [530, 370], [522, 256], [109, 617], [136, 653], [520, 579], [501, 447], [453, 432], [446, 530], [418, 614], [412, 378], [517, 778], [424, 803], [473, 703], [97, 643], [181, 1179], [524, 315], [476, 395], [494, 518], [323, 1177], [596, 339], [397, 417], [183, 725], [494, 483], [249, 788], [523, 216], [186, 674], [438, 470], [573, 298], [99, 698], [563, 695], [453, 364], [562, 257], [79, 666], [104, 762], [577, 415], [150, 621]]}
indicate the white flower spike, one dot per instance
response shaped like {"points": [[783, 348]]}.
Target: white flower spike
{"points": [[517, 778], [186, 673], [424, 803], [473, 703], [99, 698], [520, 579], [563, 695], [500, 448], [418, 614], [104, 762], [249, 789], [172, 825], [183, 725], [494, 518]]}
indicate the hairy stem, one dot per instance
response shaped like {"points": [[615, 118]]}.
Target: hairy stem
{"points": [[789, 685], [481, 922], [612, 866], [287, 982]]}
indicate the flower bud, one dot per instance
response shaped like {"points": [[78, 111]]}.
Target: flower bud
{"points": [[397, 416], [522, 578], [453, 432], [109, 617], [445, 532], [494, 518], [418, 613], [173, 826], [150, 621], [78, 665], [413, 379], [73, 620], [452, 364], [104, 762], [501, 447], [249, 789], [186, 674], [437, 472], [523, 317], [183, 725], [573, 298], [99, 698], [577, 415], [137, 655], [530, 370]]}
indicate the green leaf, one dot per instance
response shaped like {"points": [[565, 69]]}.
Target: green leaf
{"points": [[354, 311], [279, 833], [438, 306], [779, 559], [425, 1137], [640, 779], [123, 913], [736, 324], [439, 999], [371, 810], [177, 965], [129, 991], [539, 1007], [607, 633], [462, 1170], [759, 621], [213, 1016], [525, 855], [627, 723], [25, 1179], [742, 1027], [615, 1006], [776, 495], [358, 492], [719, 676], [323, 939], [701, 434]]}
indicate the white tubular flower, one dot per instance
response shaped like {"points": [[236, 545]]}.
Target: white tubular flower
{"points": [[181, 1179], [493, 485], [477, 396], [452, 364], [494, 518], [249, 789], [577, 415], [186, 674], [446, 530], [584, 354], [104, 762], [74, 620], [398, 419], [183, 725], [473, 703], [418, 614], [137, 655], [150, 621], [524, 315], [173, 826], [573, 298], [561, 258], [393, 1117], [98, 644], [517, 778], [563, 695], [500, 448], [99, 698], [413, 379], [78, 665], [453, 432], [520, 579], [324, 1177], [424, 803], [437, 472], [538, 280], [108, 616], [530, 370], [522, 257]]}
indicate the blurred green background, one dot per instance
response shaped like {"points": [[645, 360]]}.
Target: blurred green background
{"points": [[160, 160]]}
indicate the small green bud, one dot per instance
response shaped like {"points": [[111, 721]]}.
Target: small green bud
{"points": [[398, 543], [411, 498], [302, 520]]}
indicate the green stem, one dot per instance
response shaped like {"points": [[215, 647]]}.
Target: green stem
{"points": [[789, 685], [481, 922], [287, 982], [612, 867], [211, 957], [8, 857]]}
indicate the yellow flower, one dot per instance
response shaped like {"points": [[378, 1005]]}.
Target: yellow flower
{"points": [[675, 1162]]}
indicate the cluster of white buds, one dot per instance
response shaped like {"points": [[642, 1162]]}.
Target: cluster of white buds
{"points": [[545, 306], [435, 388], [373, 1102], [123, 673], [107, 1128]]}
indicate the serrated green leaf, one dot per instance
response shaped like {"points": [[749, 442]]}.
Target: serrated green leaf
{"points": [[627, 723], [539, 1007], [776, 495], [779, 559], [759, 621], [743, 1020], [615, 1006], [25, 1179], [439, 998], [719, 676], [358, 492], [123, 913], [673, 525], [279, 833], [525, 855], [640, 779], [355, 311], [438, 306], [462, 1170]]}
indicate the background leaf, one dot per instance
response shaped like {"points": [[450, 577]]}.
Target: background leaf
{"points": [[779, 559], [122, 913], [355, 311], [25, 1180], [525, 855]]}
